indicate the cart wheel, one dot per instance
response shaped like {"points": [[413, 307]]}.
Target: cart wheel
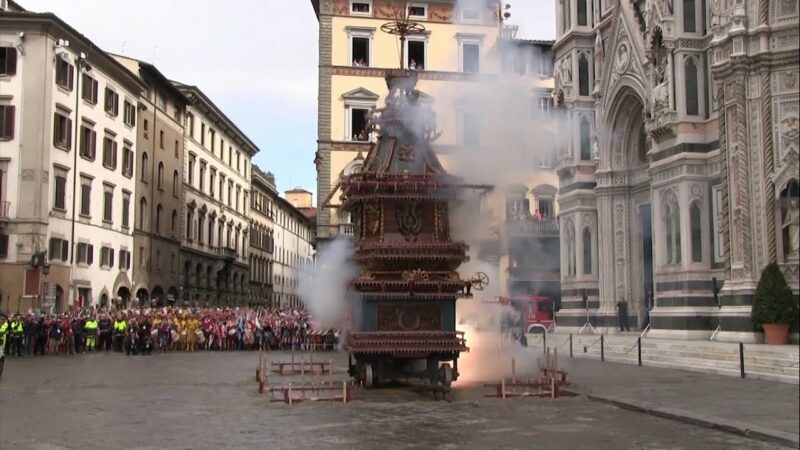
{"points": [[446, 375], [368, 376]]}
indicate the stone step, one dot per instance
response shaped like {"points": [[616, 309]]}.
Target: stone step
{"points": [[703, 356], [750, 373], [754, 367], [760, 349], [791, 353]]}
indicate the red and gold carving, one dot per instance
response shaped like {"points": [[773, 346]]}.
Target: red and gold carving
{"points": [[409, 318]]}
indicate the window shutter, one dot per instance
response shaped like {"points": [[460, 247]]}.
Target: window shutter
{"points": [[3, 245], [94, 143], [94, 91], [8, 122], [64, 249], [71, 77], [89, 254], [111, 256], [11, 61], [55, 129], [127, 260], [69, 134]]}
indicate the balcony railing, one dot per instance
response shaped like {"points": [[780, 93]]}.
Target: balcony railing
{"points": [[5, 210], [227, 253], [346, 229], [546, 226]]}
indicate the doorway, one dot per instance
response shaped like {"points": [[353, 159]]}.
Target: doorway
{"points": [[646, 226]]}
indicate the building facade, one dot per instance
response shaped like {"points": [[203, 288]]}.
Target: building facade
{"points": [[681, 162], [294, 248], [521, 238], [67, 197], [262, 236], [354, 56], [215, 209], [159, 187]]}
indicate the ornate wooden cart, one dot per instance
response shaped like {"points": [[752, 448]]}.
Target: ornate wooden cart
{"points": [[408, 284]]}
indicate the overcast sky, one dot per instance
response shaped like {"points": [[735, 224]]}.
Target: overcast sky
{"points": [[256, 59]]}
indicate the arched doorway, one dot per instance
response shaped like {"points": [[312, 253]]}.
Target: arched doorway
{"points": [[123, 296], [142, 297], [158, 296], [104, 300], [631, 271], [172, 295]]}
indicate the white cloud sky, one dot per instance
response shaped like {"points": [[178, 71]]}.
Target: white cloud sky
{"points": [[256, 59]]}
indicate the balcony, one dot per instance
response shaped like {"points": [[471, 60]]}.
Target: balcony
{"points": [[531, 227], [226, 253], [346, 229], [5, 210]]}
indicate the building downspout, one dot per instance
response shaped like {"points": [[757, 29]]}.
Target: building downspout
{"points": [[75, 151], [153, 180], [79, 74]]}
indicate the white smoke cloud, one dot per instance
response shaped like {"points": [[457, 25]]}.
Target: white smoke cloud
{"points": [[325, 286]]}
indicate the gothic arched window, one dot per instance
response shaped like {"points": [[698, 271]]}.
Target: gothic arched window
{"points": [[692, 97], [587, 251], [144, 167], [142, 213], [586, 139], [583, 75], [159, 210], [695, 217], [189, 220]]}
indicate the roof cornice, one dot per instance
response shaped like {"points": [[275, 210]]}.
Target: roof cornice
{"points": [[52, 25]]}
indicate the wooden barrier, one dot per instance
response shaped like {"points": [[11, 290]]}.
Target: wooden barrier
{"points": [[548, 384], [316, 390]]}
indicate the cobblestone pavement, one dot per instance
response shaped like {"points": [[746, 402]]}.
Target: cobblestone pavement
{"points": [[210, 400]]}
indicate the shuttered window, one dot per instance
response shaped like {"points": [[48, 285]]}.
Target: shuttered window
{"points": [[6, 122]]}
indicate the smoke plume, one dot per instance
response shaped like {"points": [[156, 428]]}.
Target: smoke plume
{"points": [[324, 286]]}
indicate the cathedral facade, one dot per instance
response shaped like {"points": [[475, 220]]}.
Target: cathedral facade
{"points": [[679, 173]]}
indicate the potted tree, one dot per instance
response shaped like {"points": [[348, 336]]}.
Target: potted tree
{"points": [[774, 309]]}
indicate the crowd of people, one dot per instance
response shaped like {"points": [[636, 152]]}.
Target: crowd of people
{"points": [[143, 331]]}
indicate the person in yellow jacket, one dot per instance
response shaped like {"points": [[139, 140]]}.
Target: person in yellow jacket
{"points": [[17, 330], [3, 333], [120, 327], [91, 333], [192, 325]]}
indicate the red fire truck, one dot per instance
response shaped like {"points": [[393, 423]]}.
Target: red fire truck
{"points": [[537, 313]]}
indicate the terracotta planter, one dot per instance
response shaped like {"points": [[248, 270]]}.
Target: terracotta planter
{"points": [[776, 334]]}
